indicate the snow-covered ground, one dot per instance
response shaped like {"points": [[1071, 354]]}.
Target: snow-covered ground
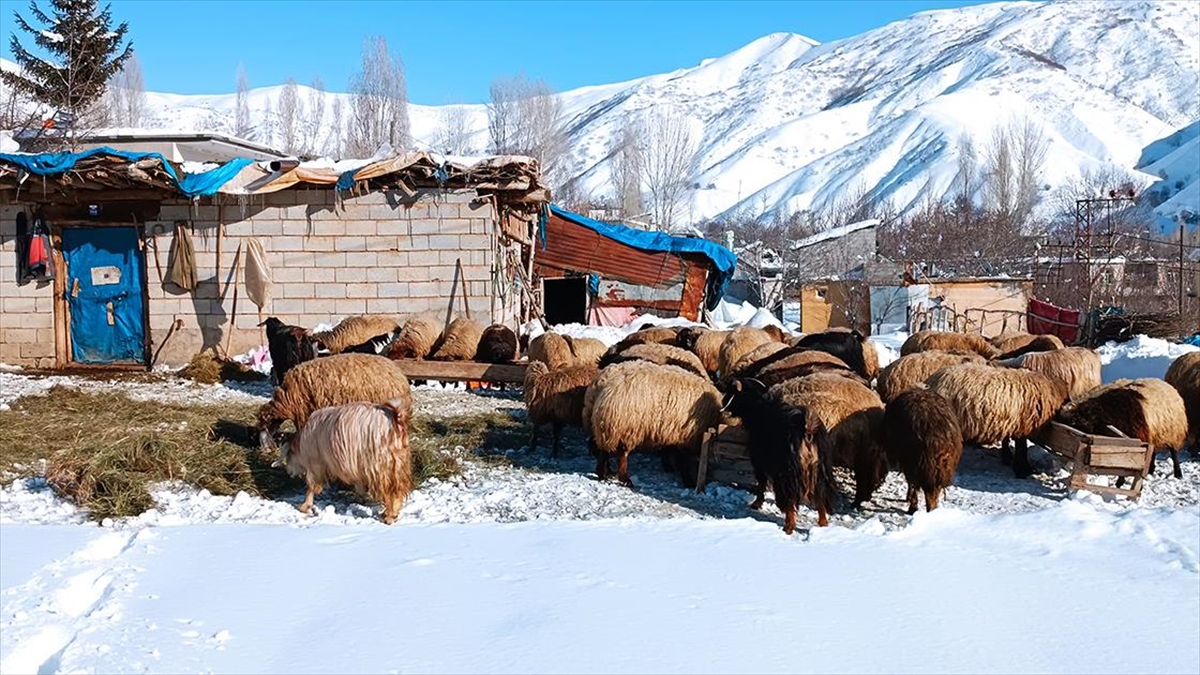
{"points": [[532, 565]]}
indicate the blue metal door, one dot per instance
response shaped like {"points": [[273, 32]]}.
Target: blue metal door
{"points": [[104, 293]]}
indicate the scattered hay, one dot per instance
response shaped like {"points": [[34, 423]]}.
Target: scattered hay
{"points": [[206, 368]]}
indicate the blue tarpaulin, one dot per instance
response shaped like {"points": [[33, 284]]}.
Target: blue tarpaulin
{"points": [[191, 185], [724, 261]]}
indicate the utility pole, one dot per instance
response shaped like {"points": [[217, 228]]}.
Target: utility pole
{"points": [[1181, 229]]}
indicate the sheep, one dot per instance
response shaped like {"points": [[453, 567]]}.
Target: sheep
{"points": [[556, 397], [911, 371], [772, 371], [643, 406], [1010, 341], [355, 330], [551, 349], [497, 344], [586, 350], [1077, 368], [416, 339], [459, 341], [706, 344], [330, 381], [1039, 343], [851, 347], [994, 405], [688, 335], [658, 353], [1184, 375], [851, 413], [921, 437], [661, 334], [926, 340], [776, 333], [364, 445], [785, 450], [738, 343], [376, 345], [289, 346], [1148, 409], [753, 356]]}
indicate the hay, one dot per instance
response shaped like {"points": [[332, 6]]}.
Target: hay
{"points": [[206, 368]]}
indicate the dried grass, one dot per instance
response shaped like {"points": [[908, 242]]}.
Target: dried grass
{"points": [[207, 368]]}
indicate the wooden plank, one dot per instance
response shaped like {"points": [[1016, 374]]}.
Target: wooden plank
{"points": [[463, 371], [702, 469], [62, 314], [1115, 457]]}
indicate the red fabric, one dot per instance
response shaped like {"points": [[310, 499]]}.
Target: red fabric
{"points": [[611, 316], [1047, 319], [37, 251]]}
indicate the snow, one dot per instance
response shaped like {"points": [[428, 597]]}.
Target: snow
{"points": [[834, 233], [1141, 356]]}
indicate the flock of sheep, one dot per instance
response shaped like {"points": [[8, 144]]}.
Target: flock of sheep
{"points": [[808, 404]]}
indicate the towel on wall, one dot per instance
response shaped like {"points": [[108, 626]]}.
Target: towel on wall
{"points": [[181, 266], [258, 273]]}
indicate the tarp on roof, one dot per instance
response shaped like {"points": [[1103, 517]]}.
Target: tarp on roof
{"points": [[724, 261], [191, 185]]}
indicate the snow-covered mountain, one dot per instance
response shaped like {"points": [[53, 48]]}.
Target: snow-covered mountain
{"points": [[787, 124]]}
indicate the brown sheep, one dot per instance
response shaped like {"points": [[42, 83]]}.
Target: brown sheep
{"points": [[926, 340], [706, 344], [1184, 375], [772, 371], [1148, 409], [852, 414], [1077, 368], [642, 406], [459, 341], [658, 353], [497, 344], [737, 344], [1039, 343], [364, 445], [922, 438], [586, 350], [754, 356], [997, 404], [1011, 341], [552, 349], [416, 339], [556, 397], [659, 334], [355, 330], [330, 381], [776, 333], [911, 371]]}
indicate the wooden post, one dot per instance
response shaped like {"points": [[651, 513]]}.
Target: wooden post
{"points": [[220, 236], [462, 278], [710, 436]]}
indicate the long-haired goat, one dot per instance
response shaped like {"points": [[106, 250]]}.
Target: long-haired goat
{"points": [[289, 347], [784, 450], [364, 445], [922, 437]]}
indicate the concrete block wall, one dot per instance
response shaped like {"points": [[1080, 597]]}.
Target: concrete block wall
{"points": [[371, 254]]}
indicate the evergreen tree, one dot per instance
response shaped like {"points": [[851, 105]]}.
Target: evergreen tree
{"points": [[84, 52]]}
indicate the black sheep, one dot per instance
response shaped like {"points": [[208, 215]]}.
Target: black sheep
{"points": [[846, 346], [376, 345], [289, 347], [498, 344], [784, 449]]}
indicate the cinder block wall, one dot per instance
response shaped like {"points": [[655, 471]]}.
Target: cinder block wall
{"points": [[368, 254]]}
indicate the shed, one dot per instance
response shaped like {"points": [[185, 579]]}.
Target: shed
{"points": [[602, 273], [414, 233]]}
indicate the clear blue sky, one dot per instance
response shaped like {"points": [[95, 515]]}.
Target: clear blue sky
{"points": [[453, 50]]}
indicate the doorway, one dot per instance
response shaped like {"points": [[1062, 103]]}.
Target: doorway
{"points": [[565, 300], [105, 295]]}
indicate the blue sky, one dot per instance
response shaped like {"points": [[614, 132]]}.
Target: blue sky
{"points": [[452, 50]]}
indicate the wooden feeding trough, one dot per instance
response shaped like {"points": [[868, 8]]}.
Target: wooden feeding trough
{"points": [[1091, 454], [463, 371], [725, 458]]}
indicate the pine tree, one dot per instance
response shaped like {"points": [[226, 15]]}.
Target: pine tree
{"points": [[84, 52]]}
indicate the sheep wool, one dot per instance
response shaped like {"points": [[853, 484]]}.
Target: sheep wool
{"points": [[586, 350], [642, 406], [739, 343], [551, 349], [459, 341], [707, 346], [945, 341], [1076, 368], [364, 445], [1012, 341], [1039, 343], [754, 356], [416, 339], [497, 344], [1184, 375], [921, 436], [660, 354], [556, 397], [355, 330], [1148, 409], [330, 381], [911, 371], [795, 365]]}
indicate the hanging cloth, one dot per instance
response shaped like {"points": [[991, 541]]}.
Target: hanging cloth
{"points": [[181, 266], [258, 273], [38, 258], [24, 239]]}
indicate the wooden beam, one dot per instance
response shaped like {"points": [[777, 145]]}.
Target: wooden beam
{"points": [[463, 371]]}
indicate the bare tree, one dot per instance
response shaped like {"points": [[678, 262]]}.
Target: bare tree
{"points": [[379, 107], [1013, 161], [127, 95], [668, 153], [289, 114], [454, 138], [267, 127], [627, 173], [967, 162], [335, 142], [525, 118], [241, 115], [315, 118]]}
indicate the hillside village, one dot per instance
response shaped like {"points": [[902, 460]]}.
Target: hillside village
{"points": [[395, 378]]}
